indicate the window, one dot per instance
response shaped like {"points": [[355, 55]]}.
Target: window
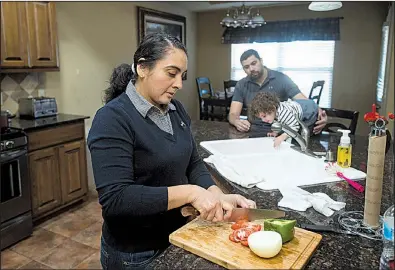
{"points": [[383, 62], [303, 61]]}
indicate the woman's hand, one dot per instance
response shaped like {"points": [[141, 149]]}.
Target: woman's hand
{"points": [[230, 201], [207, 203]]}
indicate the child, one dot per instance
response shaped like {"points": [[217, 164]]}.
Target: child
{"points": [[268, 108]]}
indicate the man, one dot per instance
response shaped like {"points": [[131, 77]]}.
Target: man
{"points": [[261, 79]]}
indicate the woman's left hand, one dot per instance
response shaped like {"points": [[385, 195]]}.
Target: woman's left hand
{"points": [[230, 201], [237, 200]]}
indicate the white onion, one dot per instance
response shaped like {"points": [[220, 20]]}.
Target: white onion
{"points": [[265, 244]]}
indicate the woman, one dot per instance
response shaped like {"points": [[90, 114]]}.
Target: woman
{"points": [[145, 161]]}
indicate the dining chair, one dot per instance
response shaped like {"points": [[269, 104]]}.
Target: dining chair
{"points": [[207, 99], [341, 114], [320, 86], [204, 87], [227, 88], [228, 85]]}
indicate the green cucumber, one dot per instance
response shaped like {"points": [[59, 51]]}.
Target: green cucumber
{"points": [[286, 228]]}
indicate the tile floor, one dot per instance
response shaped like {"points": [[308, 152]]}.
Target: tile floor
{"points": [[70, 240]]}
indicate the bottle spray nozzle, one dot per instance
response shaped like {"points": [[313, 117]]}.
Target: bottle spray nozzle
{"points": [[345, 139]]}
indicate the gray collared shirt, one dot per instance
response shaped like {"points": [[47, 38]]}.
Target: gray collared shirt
{"points": [[161, 119], [277, 82]]}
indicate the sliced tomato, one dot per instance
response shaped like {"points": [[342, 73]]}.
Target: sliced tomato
{"points": [[255, 227], [236, 235], [244, 243], [240, 224], [242, 234], [235, 226], [243, 218], [231, 238]]}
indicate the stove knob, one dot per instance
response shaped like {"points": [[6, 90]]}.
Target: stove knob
{"points": [[2, 146], [9, 144]]}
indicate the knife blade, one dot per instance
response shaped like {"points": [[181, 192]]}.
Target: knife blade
{"points": [[254, 214], [237, 213]]}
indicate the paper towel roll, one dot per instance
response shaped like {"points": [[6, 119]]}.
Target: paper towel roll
{"points": [[374, 180]]}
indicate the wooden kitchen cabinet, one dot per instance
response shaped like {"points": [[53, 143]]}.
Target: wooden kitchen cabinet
{"points": [[44, 175], [13, 35], [42, 34], [28, 37], [58, 168], [72, 166]]}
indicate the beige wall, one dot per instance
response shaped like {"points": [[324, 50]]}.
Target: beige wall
{"points": [[94, 37], [356, 54]]}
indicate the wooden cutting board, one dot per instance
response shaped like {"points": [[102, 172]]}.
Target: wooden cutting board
{"points": [[211, 241]]}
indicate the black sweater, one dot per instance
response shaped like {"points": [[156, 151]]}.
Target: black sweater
{"points": [[134, 162]]}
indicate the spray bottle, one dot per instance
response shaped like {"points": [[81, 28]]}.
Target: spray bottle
{"points": [[344, 150]]}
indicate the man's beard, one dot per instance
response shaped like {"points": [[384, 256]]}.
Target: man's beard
{"points": [[256, 76]]}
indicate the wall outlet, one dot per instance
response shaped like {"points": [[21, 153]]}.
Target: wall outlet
{"points": [[41, 92]]}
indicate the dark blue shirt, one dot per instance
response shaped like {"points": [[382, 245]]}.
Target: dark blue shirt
{"points": [[134, 161]]}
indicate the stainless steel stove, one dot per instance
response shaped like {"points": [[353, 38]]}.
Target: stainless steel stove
{"points": [[15, 195]]}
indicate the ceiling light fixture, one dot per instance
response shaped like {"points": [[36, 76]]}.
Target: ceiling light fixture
{"points": [[325, 6], [243, 17]]}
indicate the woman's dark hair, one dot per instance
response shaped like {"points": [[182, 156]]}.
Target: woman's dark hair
{"points": [[152, 48]]}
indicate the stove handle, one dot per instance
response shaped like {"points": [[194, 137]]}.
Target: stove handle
{"points": [[7, 156]]}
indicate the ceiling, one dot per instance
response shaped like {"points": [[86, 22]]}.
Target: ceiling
{"points": [[200, 6]]}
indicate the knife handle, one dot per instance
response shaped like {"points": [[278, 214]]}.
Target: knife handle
{"points": [[317, 228], [188, 210]]}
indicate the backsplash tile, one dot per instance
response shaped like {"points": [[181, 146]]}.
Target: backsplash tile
{"points": [[8, 84], [19, 93], [4, 97], [17, 85], [30, 83]]}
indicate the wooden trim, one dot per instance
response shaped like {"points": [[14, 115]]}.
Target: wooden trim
{"points": [[26, 70]]}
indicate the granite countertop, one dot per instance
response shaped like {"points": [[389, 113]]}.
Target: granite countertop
{"points": [[336, 251], [44, 122]]}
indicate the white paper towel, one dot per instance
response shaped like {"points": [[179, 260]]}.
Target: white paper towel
{"points": [[231, 171], [300, 200], [250, 162]]}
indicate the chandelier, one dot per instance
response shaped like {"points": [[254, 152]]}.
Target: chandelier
{"points": [[243, 17]]}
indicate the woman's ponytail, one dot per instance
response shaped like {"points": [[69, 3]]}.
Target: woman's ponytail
{"points": [[119, 80]]}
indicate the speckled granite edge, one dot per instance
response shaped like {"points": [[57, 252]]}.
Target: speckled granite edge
{"points": [[336, 251], [46, 122]]}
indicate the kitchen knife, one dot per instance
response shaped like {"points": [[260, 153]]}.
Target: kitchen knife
{"points": [[237, 213], [254, 214]]}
